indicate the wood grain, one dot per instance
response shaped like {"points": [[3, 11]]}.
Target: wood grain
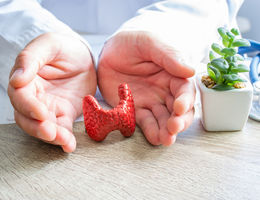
{"points": [[199, 165]]}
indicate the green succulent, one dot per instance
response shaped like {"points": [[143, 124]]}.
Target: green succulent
{"points": [[225, 63]]}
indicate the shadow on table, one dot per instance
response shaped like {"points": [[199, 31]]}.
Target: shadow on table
{"points": [[23, 153], [14, 141], [135, 147]]}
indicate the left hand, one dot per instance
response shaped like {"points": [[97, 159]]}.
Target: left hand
{"points": [[50, 77], [163, 94]]}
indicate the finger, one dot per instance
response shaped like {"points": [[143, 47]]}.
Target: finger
{"points": [[184, 92], [25, 102], [163, 55], [47, 131], [162, 115], [147, 122], [64, 136], [177, 124], [65, 122], [70, 147], [169, 103], [35, 55]]}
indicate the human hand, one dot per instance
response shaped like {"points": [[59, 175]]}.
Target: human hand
{"points": [[50, 77], [163, 94]]}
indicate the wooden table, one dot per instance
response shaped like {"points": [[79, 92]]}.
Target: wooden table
{"points": [[199, 165]]}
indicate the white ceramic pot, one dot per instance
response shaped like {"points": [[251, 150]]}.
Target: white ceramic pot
{"points": [[224, 110]]}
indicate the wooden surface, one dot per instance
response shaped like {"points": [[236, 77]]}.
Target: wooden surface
{"points": [[199, 165]]}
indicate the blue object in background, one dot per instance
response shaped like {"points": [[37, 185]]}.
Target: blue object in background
{"points": [[254, 76]]}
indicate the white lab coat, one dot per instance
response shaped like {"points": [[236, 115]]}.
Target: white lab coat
{"points": [[188, 25]]}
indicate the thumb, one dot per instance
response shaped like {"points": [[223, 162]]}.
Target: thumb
{"points": [[165, 56], [36, 54]]}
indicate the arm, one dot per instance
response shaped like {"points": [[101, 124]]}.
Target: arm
{"points": [[50, 75], [156, 53], [187, 26]]}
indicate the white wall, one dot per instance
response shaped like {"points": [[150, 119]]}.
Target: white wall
{"points": [[94, 16], [251, 10]]}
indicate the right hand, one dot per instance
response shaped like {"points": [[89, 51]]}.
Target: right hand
{"points": [[50, 77], [163, 93]]}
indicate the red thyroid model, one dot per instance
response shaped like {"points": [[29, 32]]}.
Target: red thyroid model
{"points": [[99, 122]]}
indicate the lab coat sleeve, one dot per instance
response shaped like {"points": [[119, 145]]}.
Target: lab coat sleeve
{"points": [[189, 26], [20, 22]]}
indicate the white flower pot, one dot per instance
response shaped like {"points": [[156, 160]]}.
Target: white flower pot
{"points": [[224, 110]]}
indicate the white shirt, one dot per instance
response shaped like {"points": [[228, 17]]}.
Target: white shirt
{"points": [[188, 25]]}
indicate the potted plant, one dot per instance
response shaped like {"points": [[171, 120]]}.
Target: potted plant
{"points": [[226, 94]]}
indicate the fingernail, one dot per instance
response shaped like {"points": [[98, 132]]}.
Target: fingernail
{"points": [[177, 127], [174, 139], [66, 136], [181, 105], [33, 115], [18, 72], [70, 147], [181, 127]]}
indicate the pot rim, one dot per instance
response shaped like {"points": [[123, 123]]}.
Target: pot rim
{"points": [[209, 90]]}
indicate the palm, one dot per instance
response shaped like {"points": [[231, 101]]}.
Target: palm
{"points": [[153, 88], [61, 96], [64, 89]]}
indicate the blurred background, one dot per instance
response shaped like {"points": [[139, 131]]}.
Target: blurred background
{"points": [[97, 14], [248, 17]]}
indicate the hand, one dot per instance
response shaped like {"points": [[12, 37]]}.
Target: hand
{"points": [[163, 94], [47, 83]]}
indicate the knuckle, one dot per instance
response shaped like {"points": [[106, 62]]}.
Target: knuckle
{"points": [[24, 54], [23, 57], [144, 37]]}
